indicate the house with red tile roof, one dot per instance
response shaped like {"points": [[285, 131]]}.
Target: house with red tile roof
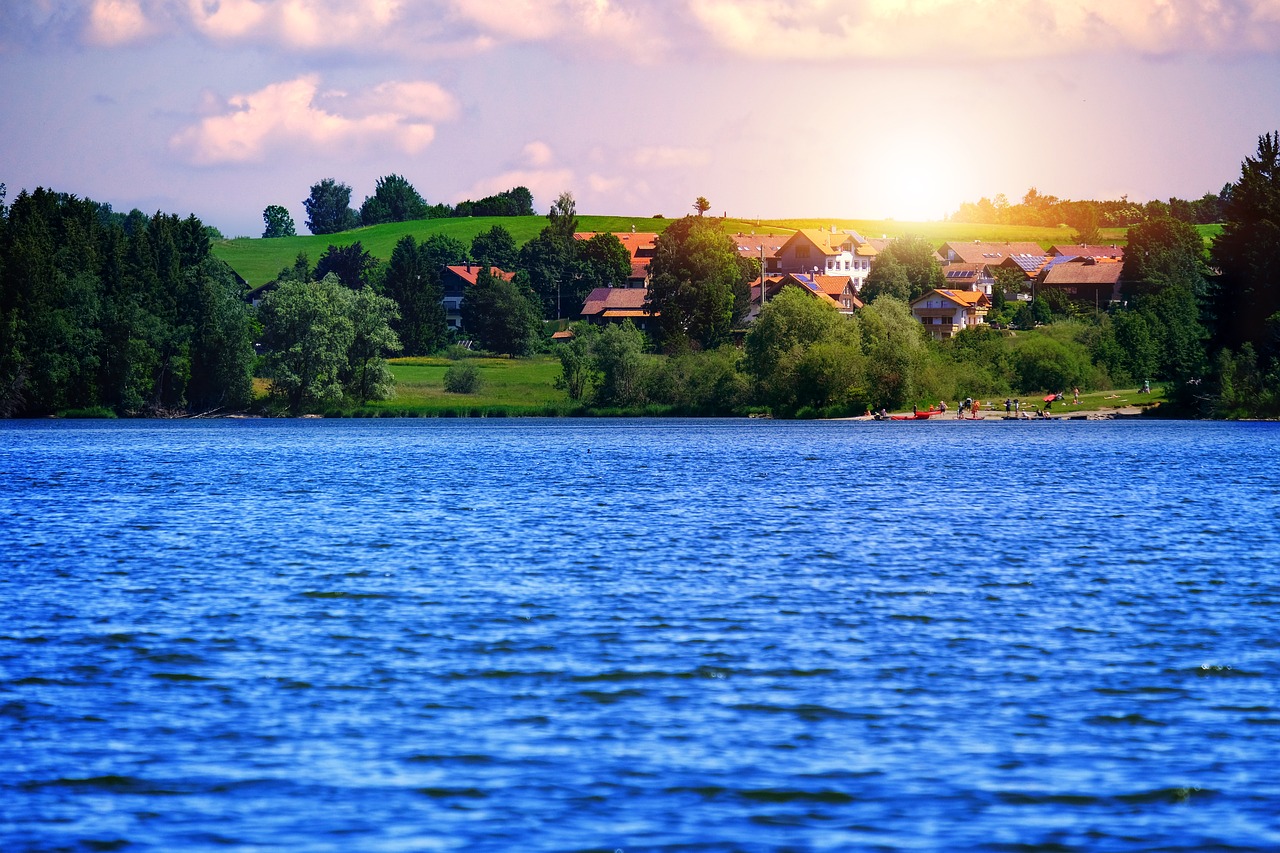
{"points": [[454, 282], [962, 276], [991, 254], [945, 313]]}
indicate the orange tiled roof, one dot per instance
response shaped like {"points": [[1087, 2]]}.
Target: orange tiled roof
{"points": [[1084, 272], [470, 272]]}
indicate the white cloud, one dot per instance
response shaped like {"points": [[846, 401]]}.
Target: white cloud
{"points": [[537, 154], [670, 157], [117, 22], [295, 115], [965, 30]]}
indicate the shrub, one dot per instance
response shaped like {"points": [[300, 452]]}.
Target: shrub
{"points": [[462, 378]]}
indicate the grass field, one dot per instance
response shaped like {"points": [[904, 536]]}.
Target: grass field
{"points": [[259, 261], [522, 386]]}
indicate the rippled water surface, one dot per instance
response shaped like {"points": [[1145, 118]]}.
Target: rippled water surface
{"points": [[639, 635]]}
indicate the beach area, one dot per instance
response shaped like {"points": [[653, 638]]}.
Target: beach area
{"points": [[1092, 407]]}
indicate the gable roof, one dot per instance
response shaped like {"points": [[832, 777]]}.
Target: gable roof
{"points": [[611, 299], [1083, 271], [966, 298], [470, 272]]}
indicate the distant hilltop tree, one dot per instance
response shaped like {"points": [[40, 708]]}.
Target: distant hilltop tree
{"points": [[517, 201], [278, 221], [393, 200], [329, 208]]}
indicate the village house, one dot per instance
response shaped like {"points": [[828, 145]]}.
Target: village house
{"points": [[946, 313], [616, 305], [454, 281], [817, 252], [1090, 281], [834, 290], [760, 247]]}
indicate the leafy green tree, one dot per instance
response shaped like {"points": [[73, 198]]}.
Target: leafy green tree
{"points": [[1163, 252], [701, 205], [563, 216], [441, 250], [307, 328], [413, 281], [495, 248], [329, 208], [802, 352], [223, 331], [1245, 304], [367, 376], [618, 358], [353, 266], [602, 262], [897, 353], [550, 261], [578, 373], [699, 287], [501, 315], [911, 260], [278, 221], [394, 199]]}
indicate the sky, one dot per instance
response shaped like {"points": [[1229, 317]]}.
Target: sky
{"points": [[768, 108]]}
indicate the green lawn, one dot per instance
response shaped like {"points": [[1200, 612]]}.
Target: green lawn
{"points": [[522, 386]]}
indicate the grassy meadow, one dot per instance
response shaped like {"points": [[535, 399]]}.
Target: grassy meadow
{"points": [[509, 387]]}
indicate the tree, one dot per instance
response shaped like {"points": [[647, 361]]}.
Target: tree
{"points": [[329, 208], [367, 376], [618, 360], [908, 263], [577, 369], [802, 352], [394, 199], [495, 248], [501, 315], [563, 216], [278, 221], [699, 289], [308, 330], [701, 205], [413, 282], [1245, 304], [602, 262], [1161, 252], [351, 264]]}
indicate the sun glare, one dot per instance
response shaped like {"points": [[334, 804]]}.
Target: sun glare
{"points": [[915, 183]]}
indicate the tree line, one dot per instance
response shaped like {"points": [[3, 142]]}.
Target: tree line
{"points": [[394, 199], [1086, 217]]}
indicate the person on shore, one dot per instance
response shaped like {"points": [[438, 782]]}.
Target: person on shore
{"points": [[1146, 386], [1075, 396], [1008, 406]]}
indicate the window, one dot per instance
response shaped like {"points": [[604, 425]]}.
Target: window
{"points": [[802, 251]]}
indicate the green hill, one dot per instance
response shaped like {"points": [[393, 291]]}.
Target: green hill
{"points": [[259, 260]]}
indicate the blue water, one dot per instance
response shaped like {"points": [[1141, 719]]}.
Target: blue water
{"points": [[639, 635]]}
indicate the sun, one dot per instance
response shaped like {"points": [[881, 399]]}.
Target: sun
{"points": [[913, 182]]}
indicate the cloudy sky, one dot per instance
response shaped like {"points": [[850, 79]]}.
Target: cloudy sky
{"points": [[769, 108]]}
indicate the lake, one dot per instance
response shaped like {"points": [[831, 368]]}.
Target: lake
{"points": [[394, 635]]}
